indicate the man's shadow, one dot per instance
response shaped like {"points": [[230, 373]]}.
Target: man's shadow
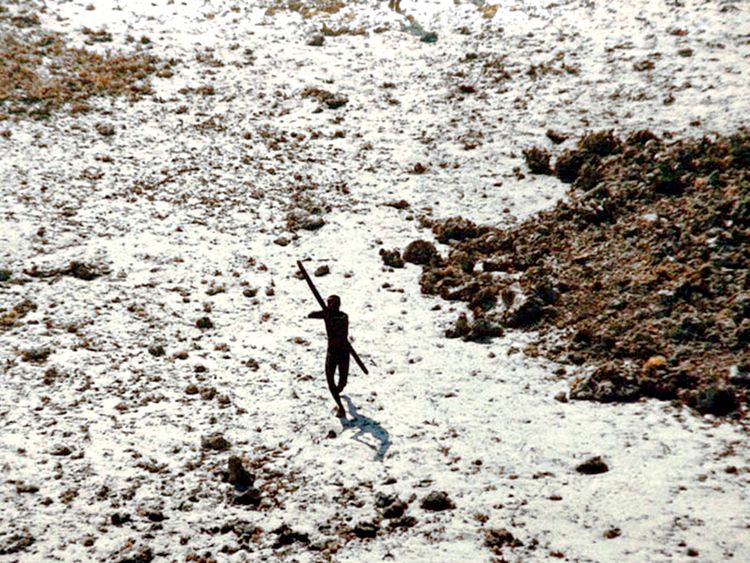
{"points": [[364, 426]]}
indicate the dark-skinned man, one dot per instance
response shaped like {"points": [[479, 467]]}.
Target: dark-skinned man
{"points": [[337, 356]]}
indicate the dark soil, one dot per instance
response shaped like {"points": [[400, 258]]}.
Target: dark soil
{"points": [[644, 270]]}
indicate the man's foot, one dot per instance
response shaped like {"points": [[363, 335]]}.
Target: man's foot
{"points": [[341, 413]]}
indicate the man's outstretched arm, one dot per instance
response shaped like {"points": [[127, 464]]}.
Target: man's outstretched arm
{"points": [[317, 315]]}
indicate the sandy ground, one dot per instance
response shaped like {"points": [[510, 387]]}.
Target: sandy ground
{"points": [[186, 221]]}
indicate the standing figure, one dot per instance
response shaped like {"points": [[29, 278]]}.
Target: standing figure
{"points": [[337, 356]]}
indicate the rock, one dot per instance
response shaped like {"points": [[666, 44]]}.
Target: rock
{"points": [[286, 536], [250, 292], [593, 466], [395, 510], [316, 40], [321, 271], [526, 314], [23, 488], [118, 519], [105, 129], [36, 355], [403, 523], [437, 501], [191, 389], [5, 275], [157, 350], [312, 223], [420, 252], [84, 271], [714, 399], [612, 533], [392, 258], [497, 538], [562, 397], [249, 497], [281, 241], [397, 204], [204, 323], [461, 327], [61, 451], [366, 530], [556, 137], [215, 442], [456, 229], [382, 500], [483, 328], [326, 98], [238, 475], [208, 393], [429, 37], [155, 515]]}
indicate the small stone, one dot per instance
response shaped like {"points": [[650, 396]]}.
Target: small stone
{"points": [[105, 129], [392, 258], [157, 350], [23, 488], [562, 397], [437, 501], [155, 515], [118, 519], [250, 292], [429, 37], [397, 204], [593, 466], [204, 323], [382, 500], [281, 241], [316, 40], [61, 451], [403, 523], [312, 223], [321, 271], [215, 442], [395, 510], [612, 533], [366, 530]]}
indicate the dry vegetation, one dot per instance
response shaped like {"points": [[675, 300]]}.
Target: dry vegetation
{"points": [[40, 74], [308, 9]]}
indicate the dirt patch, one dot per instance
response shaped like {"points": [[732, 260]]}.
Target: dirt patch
{"points": [[40, 74], [643, 270]]}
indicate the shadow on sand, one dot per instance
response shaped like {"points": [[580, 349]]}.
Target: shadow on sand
{"points": [[364, 426]]}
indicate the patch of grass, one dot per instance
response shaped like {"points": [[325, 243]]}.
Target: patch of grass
{"points": [[40, 74]]}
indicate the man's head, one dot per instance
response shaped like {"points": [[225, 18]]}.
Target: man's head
{"points": [[334, 302]]}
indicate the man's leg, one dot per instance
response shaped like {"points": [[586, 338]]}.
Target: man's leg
{"points": [[330, 372], [343, 364]]}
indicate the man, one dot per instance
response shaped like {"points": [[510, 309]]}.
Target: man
{"points": [[337, 356]]}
